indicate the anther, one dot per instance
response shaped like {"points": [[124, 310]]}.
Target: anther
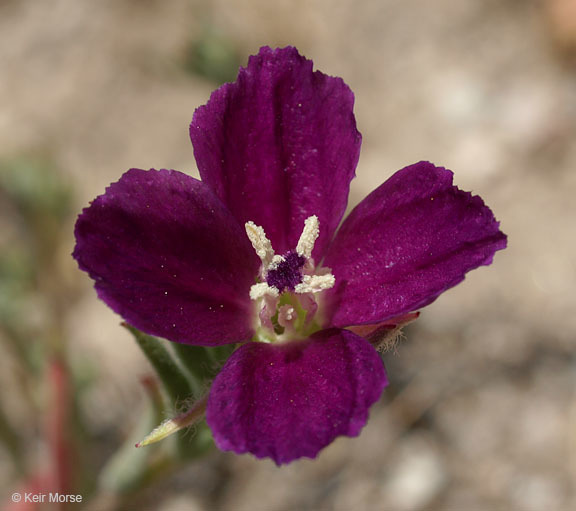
{"points": [[308, 237], [260, 242]]}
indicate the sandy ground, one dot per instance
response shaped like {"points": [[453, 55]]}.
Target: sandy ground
{"points": [[482, 411]]}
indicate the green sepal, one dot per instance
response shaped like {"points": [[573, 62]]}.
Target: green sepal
{"points": [[197, 362], [220, 354], [202, 363], [170, 426]]}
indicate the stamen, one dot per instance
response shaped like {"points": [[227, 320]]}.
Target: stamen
{"points": [[276, 260], [315, 283], [308, 237], [263, 289], [260, 242]]}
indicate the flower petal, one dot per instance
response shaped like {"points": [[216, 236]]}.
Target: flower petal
{"points": [[287, 401], [279, 145], [169, 258], [411, 239]]}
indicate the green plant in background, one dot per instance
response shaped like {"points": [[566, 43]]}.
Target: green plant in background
{"points": [[213, 56], [35, 204]]}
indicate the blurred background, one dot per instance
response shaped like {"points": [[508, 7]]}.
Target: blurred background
{"points": [[481, 412]]}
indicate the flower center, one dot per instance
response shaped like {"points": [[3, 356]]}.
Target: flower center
{"points": [[287, 285], [287, 274]]}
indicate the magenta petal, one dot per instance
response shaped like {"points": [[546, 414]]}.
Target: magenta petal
{"points": [[287, 401], [169, 258], [411, 239], [279, 145]]}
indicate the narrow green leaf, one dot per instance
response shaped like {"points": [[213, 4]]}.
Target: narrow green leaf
{"points": [[176, 384], [198, 363], [202, 363]]}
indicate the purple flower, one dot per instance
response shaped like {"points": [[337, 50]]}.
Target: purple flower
{"points": [[249, 255]]}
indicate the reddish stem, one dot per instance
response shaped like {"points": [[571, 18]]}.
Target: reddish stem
{"points": [[58, 434]]}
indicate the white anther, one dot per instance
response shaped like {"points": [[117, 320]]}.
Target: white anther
{"points": [[263, 289], [315, 283], [260, 242], [276, 260], [308, 237]]}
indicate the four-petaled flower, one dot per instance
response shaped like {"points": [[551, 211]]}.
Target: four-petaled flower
{"points": [[249, 255]]}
